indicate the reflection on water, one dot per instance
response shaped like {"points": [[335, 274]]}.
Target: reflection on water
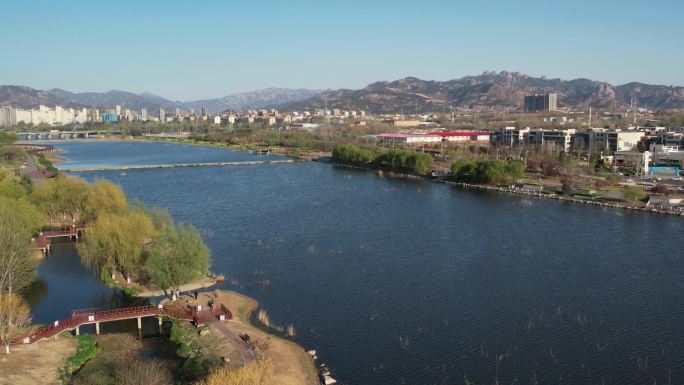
{"points": [[69, 286], [35, 292]]}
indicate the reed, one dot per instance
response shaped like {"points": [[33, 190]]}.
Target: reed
{"points": [[263, 319], [259, 373]]}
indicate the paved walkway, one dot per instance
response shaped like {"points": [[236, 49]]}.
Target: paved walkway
{"points": [[237, 342]]}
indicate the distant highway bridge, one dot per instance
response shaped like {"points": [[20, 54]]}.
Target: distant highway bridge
{"points": [[56, 134]]}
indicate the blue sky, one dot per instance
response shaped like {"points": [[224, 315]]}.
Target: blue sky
{"points": [[204, 49]]}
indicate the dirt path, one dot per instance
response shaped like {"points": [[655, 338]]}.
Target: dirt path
{"points": [[293, 366], [238, 344], [37, 363]]}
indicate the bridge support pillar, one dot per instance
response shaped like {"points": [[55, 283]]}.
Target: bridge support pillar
{"points": [[139, 327], [78, 330], [97, 328]]}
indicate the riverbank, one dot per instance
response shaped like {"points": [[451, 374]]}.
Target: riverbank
{"points": [[201, 284], [231, 344], [513, 191], [293, 366]]}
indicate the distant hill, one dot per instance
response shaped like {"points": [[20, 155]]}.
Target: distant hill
{"points": [[253, 99], [112, 98], [490, 90], [26, 97], [20, 96]]}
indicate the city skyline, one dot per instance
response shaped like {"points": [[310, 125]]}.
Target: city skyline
{"points": [[185, 52]]}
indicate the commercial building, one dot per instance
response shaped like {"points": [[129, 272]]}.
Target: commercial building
{"points": [[408, 139], [602, 139], [561, 139], [667, 155], [541, 102], [403, 123], [464, 137], [510, 136], [109, 117], [162, 115]]}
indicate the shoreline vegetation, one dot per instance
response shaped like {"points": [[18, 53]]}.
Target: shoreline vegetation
{"points": [[484, 174], [141, 252], [405, 170], [392, 162]]}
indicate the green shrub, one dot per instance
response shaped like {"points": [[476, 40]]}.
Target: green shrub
{"points": [[184, 336], [345, 153], [633, 194], [87, 349], [486, 171], [405, 161]]}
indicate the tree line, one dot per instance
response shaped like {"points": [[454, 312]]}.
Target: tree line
{"points": [[492, 171], [400, 160]]}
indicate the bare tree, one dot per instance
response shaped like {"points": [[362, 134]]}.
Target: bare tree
{"points": [[154, 372], [15, 315]]}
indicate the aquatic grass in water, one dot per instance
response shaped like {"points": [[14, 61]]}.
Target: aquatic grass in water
{"points": [[263, 319]]}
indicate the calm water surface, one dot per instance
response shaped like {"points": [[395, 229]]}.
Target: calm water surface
{"points": [[408, 282], [108, 154]]}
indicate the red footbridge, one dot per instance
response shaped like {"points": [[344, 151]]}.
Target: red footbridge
{"points": [[199, 316], [43, 240]]}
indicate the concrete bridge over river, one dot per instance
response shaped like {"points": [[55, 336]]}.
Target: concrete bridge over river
{"points": [[57, 134]]}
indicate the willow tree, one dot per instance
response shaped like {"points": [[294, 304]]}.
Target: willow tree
{"points": [[178, 256], [15, 315], [117, 242], [61, 195], [104, 197], [19, 220]]}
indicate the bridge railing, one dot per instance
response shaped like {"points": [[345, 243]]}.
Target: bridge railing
{"points": [[78, 312], [84, 316], [125, 312]]}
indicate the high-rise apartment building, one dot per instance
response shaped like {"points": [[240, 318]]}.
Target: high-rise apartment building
{"points": [[541, 102]]}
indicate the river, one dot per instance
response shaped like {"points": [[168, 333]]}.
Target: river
{"points": [[409, 282]]}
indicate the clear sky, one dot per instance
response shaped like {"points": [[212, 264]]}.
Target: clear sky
{"points": [[187, 50]]}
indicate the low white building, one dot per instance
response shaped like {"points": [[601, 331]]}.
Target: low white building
{"points": [[602, 139], [665, 155], [408, 139]]}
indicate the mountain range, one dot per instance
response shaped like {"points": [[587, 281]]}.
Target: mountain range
{"points": [[490, 90], [26, 97]]}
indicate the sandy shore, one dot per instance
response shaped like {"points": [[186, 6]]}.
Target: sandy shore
{"points": [[204, 283], [293, 366]]}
